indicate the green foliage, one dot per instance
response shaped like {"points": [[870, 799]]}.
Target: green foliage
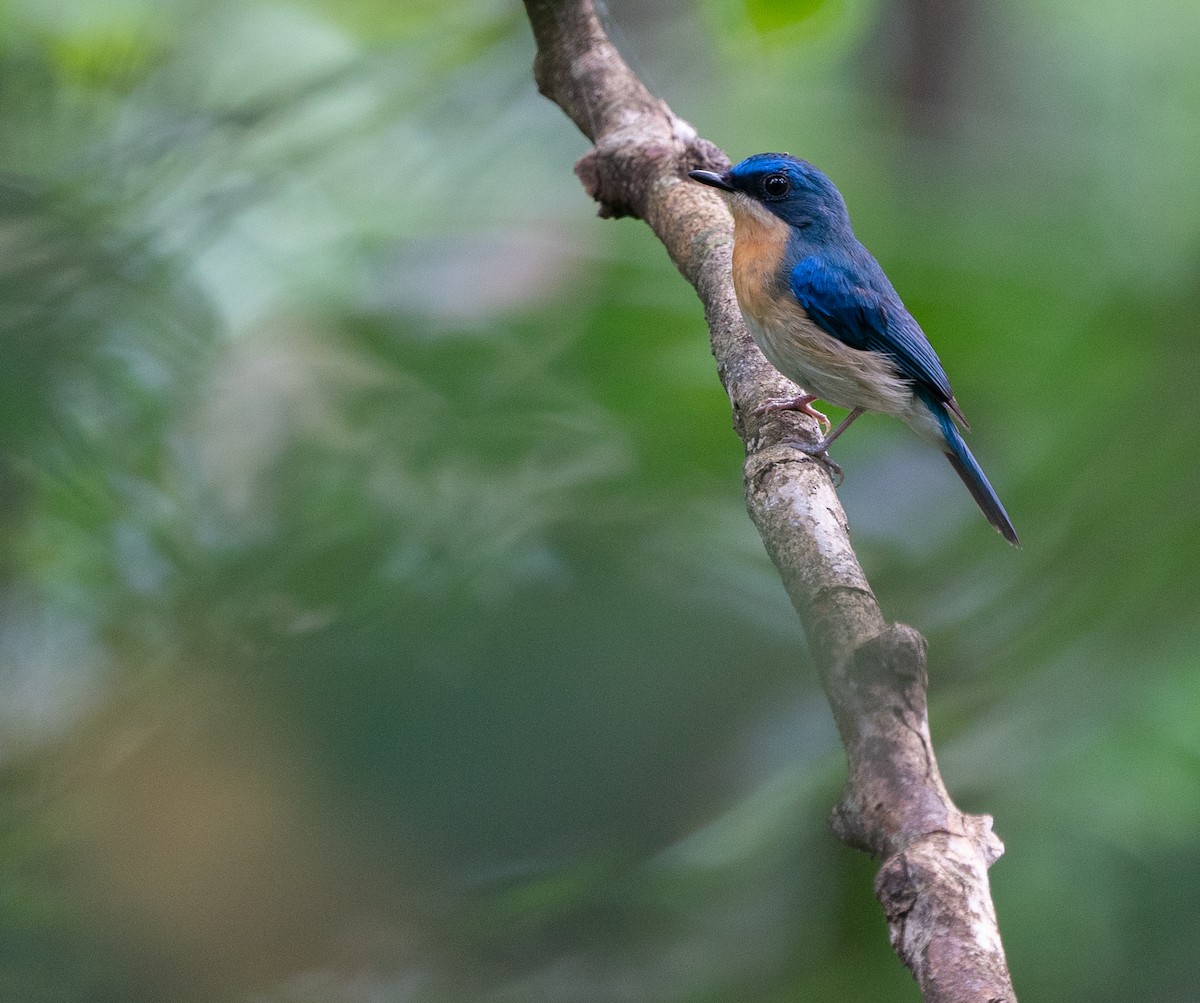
{"points": [[773, 16], [380, 618]]}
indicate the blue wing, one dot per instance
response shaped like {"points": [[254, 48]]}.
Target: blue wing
{"points": [[854, 302]]}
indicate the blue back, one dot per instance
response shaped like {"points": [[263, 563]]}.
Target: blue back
{"points": [[832, 275]]}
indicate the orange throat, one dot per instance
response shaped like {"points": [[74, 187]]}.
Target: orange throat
{"points": [[759, 241]]}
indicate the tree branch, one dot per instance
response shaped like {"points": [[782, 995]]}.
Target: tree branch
{"points": [[933, 882]]}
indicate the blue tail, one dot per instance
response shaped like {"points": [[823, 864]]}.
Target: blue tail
{"points": [[968, 469]]}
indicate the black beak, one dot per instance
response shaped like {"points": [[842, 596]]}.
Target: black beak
{"points": [[712, 180]]}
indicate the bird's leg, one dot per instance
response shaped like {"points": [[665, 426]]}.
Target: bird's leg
{"points": [[823, 446], [802, 403], [820, 451]]}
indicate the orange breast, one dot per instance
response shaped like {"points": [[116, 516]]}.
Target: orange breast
{"points": [[759, 242], [810, 357]]}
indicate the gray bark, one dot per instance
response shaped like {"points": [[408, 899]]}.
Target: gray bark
{"points": [[933, 882]]}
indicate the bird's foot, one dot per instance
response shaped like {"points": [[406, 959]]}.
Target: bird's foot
{"points": [[835, 472], [801, 403], [819, 452]]}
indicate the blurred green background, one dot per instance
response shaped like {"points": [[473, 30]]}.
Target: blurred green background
{"points": [[379, 617]]}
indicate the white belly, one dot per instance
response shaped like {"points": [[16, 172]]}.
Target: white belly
{"points": [[843, 376]]}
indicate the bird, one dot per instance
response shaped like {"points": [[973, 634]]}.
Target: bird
{"points": [[825, 315]]}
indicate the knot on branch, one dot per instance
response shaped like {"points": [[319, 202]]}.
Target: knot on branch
{"points": [[879, 691], [894, 798], [624, 165], [941, 921], [893, 660], [935, 861]]}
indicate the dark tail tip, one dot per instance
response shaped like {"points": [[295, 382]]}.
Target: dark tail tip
{"points": [[972, 475], [985, 496]]}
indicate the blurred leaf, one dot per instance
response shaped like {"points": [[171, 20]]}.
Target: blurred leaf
{"points": [[767, 16], [379, 618]]}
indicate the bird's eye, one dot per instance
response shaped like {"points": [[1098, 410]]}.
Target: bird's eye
{"points": [[776, 186]]}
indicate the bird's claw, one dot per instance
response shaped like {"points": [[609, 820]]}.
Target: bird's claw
{"points": [[823, 458], [801, 403], [819, 451], [835, 472]]}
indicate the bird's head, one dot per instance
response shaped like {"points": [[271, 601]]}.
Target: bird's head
{"points": [[788, 188]]}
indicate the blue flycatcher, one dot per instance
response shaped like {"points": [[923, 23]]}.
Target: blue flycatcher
{"points": [[824, 314]]}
